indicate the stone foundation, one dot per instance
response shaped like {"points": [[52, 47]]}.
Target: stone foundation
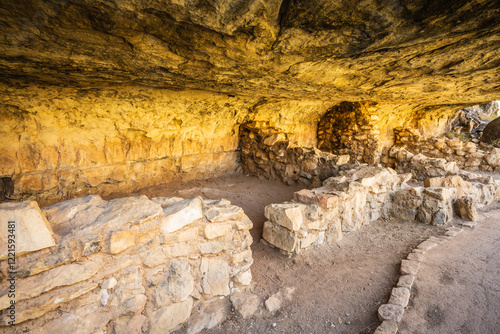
{"points": [[410, 145], [128, 265], [361, 195], [343, 204], [268, 153]]}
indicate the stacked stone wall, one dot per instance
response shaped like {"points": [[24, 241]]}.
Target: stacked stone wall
{"points": [[350, 128], [465, 155], [361, 195], [129, 265], [344, 203], [268, 153]]}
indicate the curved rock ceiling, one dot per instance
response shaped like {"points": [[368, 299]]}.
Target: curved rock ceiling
{"points": [[426, 52]]}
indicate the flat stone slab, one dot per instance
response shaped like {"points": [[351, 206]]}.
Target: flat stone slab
{"points": [[30, 229]]}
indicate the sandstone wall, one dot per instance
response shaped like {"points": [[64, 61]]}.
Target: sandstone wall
{"points": [[59, 143], [130, 265]]}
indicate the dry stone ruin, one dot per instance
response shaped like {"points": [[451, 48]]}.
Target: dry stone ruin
{"points": [[358, 104]]}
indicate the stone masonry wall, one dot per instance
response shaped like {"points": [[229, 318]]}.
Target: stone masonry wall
{"points": [[266, 152], [361, 195], [129, 265], [350, 128], [344, 203], [464, 154]]}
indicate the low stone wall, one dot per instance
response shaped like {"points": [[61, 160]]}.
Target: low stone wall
{"points": [[128, 265], [266, 152], [443, 196], [466, 155], [358, 196], [343, 204]]}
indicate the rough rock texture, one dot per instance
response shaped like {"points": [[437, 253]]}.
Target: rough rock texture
{"points": [[115, 95], [409, 144], [491, 133], [271, 48], [114, 268]]}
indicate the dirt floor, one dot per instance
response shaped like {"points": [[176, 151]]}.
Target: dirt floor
{"points": [[457, 289], [338, 287]]}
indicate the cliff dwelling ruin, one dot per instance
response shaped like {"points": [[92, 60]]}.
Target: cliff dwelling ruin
{"points": [[291, 166]]}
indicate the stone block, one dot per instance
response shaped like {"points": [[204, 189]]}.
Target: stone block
{"points": [[30, 229], [214, 277], [215, 230], [181, 214], [390, 312], [465, 208], [409, 267], [406, 281], [289, 215], [400, 296], [280, 237], [307, 196]]}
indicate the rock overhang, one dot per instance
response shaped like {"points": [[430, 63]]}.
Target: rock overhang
{"points": [[428, 53]]}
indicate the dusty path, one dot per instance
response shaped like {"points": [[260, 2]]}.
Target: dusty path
{"points": [[457, 289]]}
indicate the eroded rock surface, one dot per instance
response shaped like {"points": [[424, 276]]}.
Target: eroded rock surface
{"points": [[114, 267]]}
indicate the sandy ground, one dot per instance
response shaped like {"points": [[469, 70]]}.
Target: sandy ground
{"points": [[457, 289], [338, 287]]}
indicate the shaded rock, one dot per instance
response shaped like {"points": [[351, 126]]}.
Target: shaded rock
{"points": [[175, 284], [491, 133]]}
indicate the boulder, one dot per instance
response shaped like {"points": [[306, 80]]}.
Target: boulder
{"points": [[491, 133]]}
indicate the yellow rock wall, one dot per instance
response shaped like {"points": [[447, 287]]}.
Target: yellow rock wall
{"points": [[64, 142]]}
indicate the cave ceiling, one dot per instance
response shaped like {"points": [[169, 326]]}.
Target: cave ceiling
{"points": [[425, 52]]}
